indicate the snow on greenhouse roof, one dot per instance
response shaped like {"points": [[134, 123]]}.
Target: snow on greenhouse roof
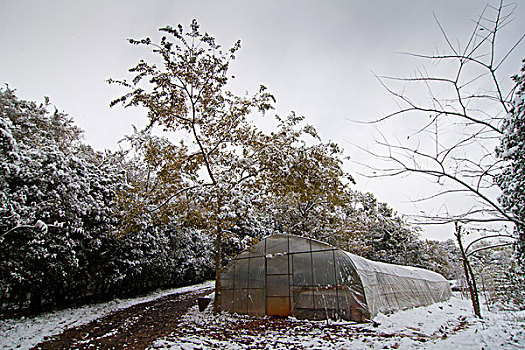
{"points": [[395, 270]]}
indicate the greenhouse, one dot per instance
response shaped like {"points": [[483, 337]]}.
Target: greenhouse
{"points": [[285, 275]]}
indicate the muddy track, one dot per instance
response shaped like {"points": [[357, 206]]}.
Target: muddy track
{"points": [[132, 328]]}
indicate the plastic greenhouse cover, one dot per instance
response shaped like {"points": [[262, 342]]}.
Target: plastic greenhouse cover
{"points": [[390, 287], [250, 283]]}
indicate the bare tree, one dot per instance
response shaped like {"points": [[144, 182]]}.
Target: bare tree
{"points": [[459, 122], [469, 273], [470, 251]]}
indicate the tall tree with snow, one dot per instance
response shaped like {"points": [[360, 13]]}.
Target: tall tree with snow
{"points": [[223, 175], [305, 188], [512, 152], [187, 96]]}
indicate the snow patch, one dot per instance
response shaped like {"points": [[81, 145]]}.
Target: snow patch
{"points": [[446, 325], [24, 333]]}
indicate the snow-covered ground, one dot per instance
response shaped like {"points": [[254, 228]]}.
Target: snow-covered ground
{"points": [[447, 325], [25, 333]]}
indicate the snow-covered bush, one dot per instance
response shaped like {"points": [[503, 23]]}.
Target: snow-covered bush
{"points": [[58, 242], [56, 194]]}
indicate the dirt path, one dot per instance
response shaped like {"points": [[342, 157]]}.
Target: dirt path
{"points": [[132, 328]]}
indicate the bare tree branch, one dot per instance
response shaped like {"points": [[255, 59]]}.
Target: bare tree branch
{"points": [[456, 145]]}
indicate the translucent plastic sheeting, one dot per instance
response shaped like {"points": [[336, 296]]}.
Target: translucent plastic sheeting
{"points": [[391, 287], [286, 275]]}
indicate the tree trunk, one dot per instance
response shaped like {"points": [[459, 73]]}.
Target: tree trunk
{"points": [[218, 257], [487, 298], [473, 289], [35, 304], [469, 275]]}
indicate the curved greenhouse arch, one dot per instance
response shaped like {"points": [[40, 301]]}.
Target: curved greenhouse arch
{"points": [[286, 275]]}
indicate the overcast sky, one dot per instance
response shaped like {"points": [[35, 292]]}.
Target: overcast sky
{"points": [[317, 57]]}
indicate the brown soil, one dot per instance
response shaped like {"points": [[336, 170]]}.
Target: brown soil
{"points": [[132, 328]]}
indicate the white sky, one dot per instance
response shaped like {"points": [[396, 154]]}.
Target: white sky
{"points": [[317, 57]]}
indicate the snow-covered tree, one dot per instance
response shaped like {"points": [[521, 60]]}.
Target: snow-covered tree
{"points": [[512, 152], [376, 232], [223, 174], [57, 224], [303, 188], [52, 198]]}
